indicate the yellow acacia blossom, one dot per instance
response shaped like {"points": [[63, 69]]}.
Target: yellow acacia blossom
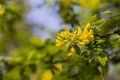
{"points": [[58, 66], [86, 36], [47, 75], [71, 52], [63, 37], [78, 36], [1, 10]]}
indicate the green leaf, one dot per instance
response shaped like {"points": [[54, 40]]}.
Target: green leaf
{"points": [[33, 68], [106, 12], [69, 47], [101, 21], [91, 57], [31, 54], [36, 41], [77, 49], [100, 41], [93, 18], [102, 60]]}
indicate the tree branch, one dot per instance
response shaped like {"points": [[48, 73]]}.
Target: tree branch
{"points": [[105, 35]]}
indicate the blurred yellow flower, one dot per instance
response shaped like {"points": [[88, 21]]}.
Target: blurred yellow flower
{"points": [[93, 4], [58, 66], [47, 75], [71, 52], [1, 10], [78, 36]]}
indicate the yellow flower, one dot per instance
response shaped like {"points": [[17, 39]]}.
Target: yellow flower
{"points": [[73, 36], [63, 37], [71, 52], [47, 75], [85, 32], [78, 36], [86, 36], [58, 66], [79, 31], [1, 10]]}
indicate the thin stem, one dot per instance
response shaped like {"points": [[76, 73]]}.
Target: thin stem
{"points": [[103, 78], [105, 35]]}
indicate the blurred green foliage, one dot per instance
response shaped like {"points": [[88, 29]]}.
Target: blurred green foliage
{"points": [[24, 56]]}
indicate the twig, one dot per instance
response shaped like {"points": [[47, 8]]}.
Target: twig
{"points": [[103, 78], [105, 35]]}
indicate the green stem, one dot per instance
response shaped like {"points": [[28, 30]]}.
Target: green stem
{"points": [[103, 78], [105, 35]]}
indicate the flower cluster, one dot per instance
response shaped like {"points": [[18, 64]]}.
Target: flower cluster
{"points": [[1, 10], [78, 36]]}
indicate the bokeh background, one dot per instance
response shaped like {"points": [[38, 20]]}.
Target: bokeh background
{"points": [[28, 30]]}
